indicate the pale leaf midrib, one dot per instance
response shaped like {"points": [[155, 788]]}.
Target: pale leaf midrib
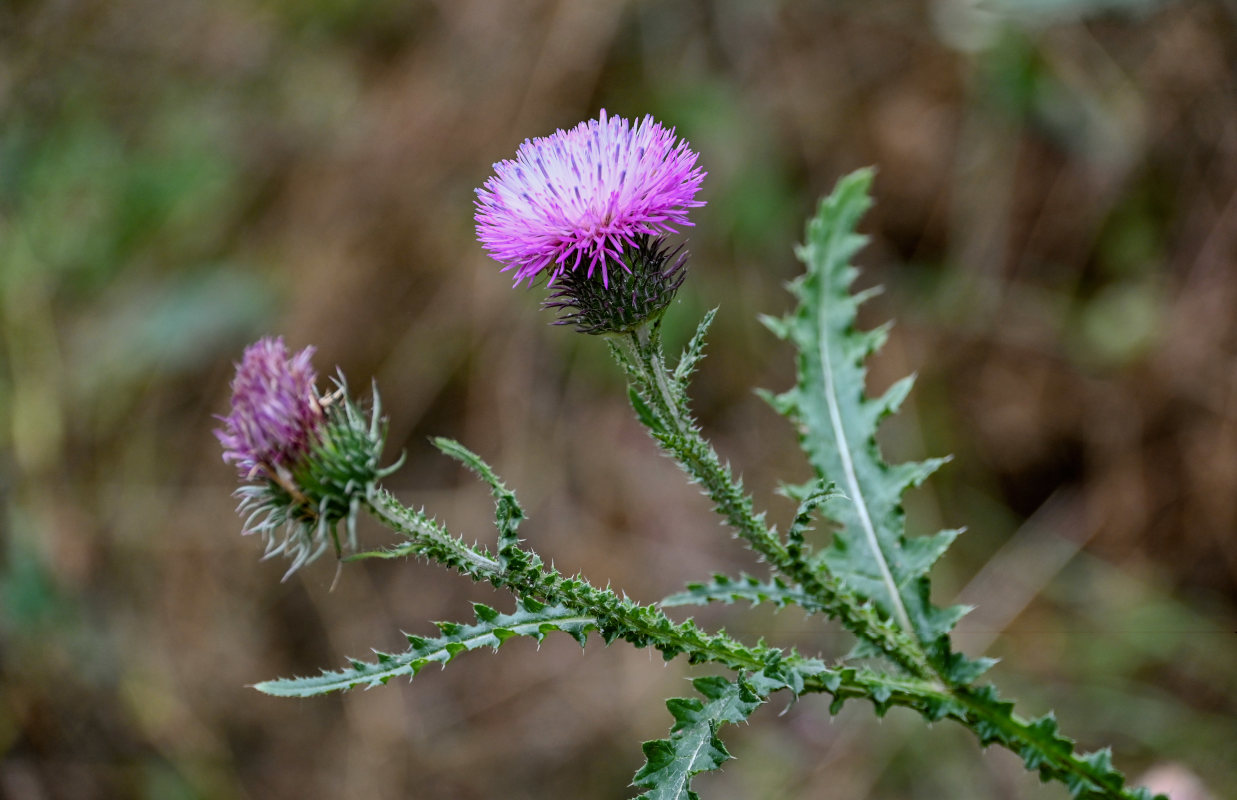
{"points": [[848, 467]]}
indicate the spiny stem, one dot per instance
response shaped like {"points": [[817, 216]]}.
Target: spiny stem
{"points": [[433, 538], [648, 346]]}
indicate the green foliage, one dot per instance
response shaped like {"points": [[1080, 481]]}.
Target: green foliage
{"points": [[1044, 749], [694, 352], [725, 589], [870, 553], [693, 746], [427, 538], [530, 618], [837, 424], [508, 514], [870, 561]]}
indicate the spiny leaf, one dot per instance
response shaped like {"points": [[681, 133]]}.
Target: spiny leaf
{"points": [[694, 351], [725, 589], [838, 422], [1044, 749], [693, 746], [428, 538], [491, 630], [508, 514], [810, 499], [644, 412]]}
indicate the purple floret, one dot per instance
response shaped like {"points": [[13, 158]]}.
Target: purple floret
{"points": [[276, 415], [580, 197]]}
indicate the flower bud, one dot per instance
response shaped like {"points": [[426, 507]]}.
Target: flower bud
{"points": [[637, 294]]}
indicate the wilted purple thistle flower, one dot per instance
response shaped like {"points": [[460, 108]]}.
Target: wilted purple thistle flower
{"points": [[307, 462], [276, 415], [585, 195]]}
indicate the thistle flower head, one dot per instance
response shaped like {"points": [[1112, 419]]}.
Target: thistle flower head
{"points": [[577, 199], [307, 461], [276, 414]]}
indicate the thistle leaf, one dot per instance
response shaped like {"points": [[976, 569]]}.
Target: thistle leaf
{"points": [[693, 746], [508, 513], [724, 589], [1045, 750], [491, 630], [645, 413], [694, 351], [838, 422]]}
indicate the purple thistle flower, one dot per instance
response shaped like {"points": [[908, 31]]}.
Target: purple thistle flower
{"points": [[585, 195], [276, 414]]}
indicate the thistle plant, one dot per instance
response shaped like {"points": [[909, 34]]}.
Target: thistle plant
{"points": [[589, 211]]}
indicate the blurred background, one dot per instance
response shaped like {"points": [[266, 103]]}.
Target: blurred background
{"points": [[1056, 229]]}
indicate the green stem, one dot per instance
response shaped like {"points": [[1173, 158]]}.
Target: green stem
{"points": [[653, 360], [432, 538]]}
